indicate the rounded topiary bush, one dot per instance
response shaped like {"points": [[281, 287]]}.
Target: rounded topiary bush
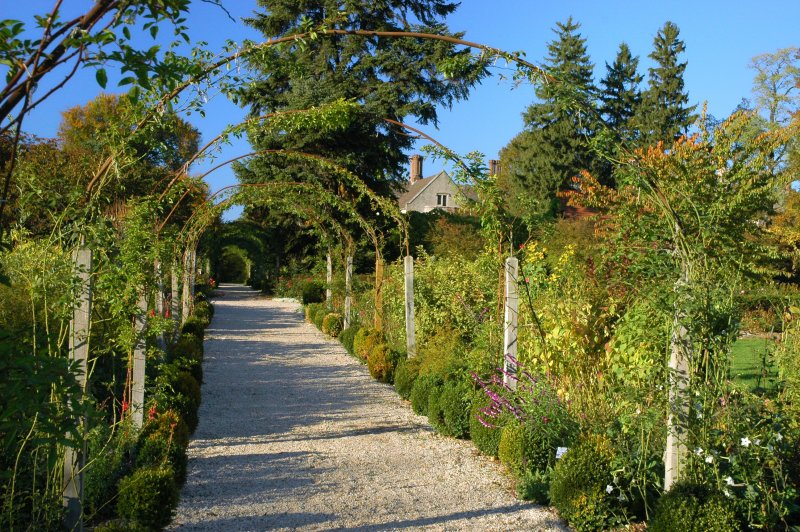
{"points": [[404, 376], [455, 404], [163, 441], [365, 341], [421, 390], [332, 324], [312, 309], [511, 448], [313, 292], [347, 336], [434, 409], [186, 399], [380, 363], [579, 486], [319, 315], [187, 346], [148, 497], [112, 458], [690, 507], [194, 326], [486, 438]]}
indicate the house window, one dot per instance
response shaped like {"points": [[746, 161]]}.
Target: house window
{"points": [[441, 200]]}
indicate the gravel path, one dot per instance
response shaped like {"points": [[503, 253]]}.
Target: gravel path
{"points": [[294, 434]]}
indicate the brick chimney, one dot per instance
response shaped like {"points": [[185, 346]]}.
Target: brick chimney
{"points": [[416, 168], [494, 167]]}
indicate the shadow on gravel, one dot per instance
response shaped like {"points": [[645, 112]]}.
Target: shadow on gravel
{"points": [[443, 519]]}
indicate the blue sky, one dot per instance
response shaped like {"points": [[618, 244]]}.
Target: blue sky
{"points": [[721, 37]]}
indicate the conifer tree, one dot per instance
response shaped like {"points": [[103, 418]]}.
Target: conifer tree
{"points": [[621, 94], [665, 113], [391, 78], [553, 148]]}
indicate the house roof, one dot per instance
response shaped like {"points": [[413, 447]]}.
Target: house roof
{"points": [[412, 190]]}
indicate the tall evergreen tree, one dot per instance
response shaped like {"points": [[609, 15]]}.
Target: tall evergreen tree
{"points": [[621, 94], [553, 148], [391, 78], [665, 113]]}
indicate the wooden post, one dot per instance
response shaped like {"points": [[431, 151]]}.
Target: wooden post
{"points": [[510, 323], [411, 340], [139, 361], [378, 316], [329, 281], [159, 302], [173, 301], [193, 274], [680, 351], [186, 294], [348, 291], [75, 458]]}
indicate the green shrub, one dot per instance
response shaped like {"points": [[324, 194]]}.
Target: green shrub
{"points": [[581, 486], [434, 409], [692, 507], [365, 341], [347, 336], [534, 486], [381, 362], [455, 405], [512, 448], [421, 390], [319, 316], [187, 354], [148, 497], [486, 438], [311, 310], [332, 324], [203, 310], [111, 457], [184, 397], [441, 354], [195, 326], [313, 292], [404, 376], [163, 441]]}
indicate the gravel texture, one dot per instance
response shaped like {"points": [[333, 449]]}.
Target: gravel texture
{"points": [[294, 434]]}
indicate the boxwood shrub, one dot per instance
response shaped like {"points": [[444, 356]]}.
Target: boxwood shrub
{"points": [[148, 497], [693, 507]]}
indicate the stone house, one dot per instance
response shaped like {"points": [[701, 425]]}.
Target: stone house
{"points": [[424, 194]]}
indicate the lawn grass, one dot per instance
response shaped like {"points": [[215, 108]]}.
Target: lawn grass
{"points": [[751, 364]]}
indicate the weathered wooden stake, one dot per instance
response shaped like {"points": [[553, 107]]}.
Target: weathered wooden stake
{"points": [[186, 294], [193, 274], [174, 298], [680, 351], [378, 316], [510, 323], [74, 458], [139, 361], [329, 281], [348, 290], [411, 339]]}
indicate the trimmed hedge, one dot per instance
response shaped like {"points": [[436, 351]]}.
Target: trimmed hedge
{"points": [[332, 324], [404, 376], [692, 507], [347, 336], [163, 441], [148, 497], [381, 361], [423, 386], [486, 439], [579, 486]]}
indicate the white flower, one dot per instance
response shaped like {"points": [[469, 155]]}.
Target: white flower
{"points": [[709, 459], [729, 481], [622, 497], [699, 451], [609, 488], [638, 411], [745, 442], [778, 436], [727, 493], [757, 441]]}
